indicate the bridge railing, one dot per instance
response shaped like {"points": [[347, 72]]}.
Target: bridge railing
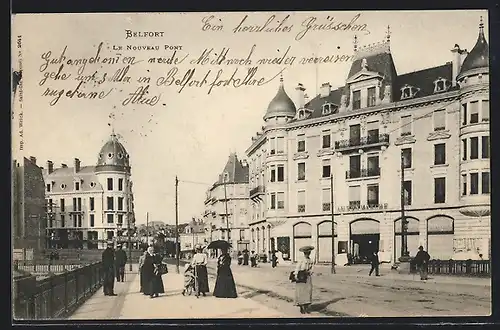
{"points": [[55, 296]]}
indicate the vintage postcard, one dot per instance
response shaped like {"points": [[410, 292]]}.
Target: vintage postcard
{"points": [[251, 165]]}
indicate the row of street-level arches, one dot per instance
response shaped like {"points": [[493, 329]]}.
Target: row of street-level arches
{"points": [[364, 238]]}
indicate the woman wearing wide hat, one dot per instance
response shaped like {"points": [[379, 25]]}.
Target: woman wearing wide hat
{"points": [[303, 281], [199, 263]]}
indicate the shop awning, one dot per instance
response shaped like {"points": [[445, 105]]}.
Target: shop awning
{"points": [[279, 228]]}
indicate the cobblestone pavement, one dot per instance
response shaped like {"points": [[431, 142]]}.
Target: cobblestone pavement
{"points": [[351, 292], [131, 304]]}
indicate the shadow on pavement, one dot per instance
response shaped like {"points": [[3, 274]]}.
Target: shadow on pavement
{"points": [[321, 306]]}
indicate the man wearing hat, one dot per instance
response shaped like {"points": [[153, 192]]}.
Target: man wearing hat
{"points": [[421, 260], [108, 267], [120, 262]]}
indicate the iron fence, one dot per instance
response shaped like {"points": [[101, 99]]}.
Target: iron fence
{"points": [[56, 296], [478, 268]]}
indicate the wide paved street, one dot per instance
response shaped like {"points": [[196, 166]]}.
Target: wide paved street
{"points": [[351, 292]]}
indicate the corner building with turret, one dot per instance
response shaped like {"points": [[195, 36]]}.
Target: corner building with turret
{"points": [[90, 205], [433, 124]]}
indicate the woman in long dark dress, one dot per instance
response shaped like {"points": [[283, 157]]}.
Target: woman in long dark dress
{"points": [[199, 263], [153, 282], [224, 285], [141, 271]]}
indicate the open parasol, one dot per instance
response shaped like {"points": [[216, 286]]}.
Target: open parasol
{"points": [[219, 244]]}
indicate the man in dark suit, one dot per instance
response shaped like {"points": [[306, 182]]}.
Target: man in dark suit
{"points": [[120, 262], [421, 261], [108, 267], [375, 263]]}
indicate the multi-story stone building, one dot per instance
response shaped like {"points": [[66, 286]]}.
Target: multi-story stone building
{"points": [[226, 205], [433, 123], [28, 208], [194, 233], [89, 205]]}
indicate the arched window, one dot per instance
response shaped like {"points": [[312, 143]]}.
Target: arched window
{"points": [[412, 238], [440, 232], [324, 248], [302, 236]]}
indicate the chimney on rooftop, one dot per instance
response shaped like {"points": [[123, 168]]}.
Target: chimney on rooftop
{"points": [[50, 166], [33, 160], [300, 96], [456, 63], [64, 165], [325, 90], [77, 165]]}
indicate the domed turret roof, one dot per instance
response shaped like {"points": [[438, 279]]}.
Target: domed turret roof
{"points": [[281, 104], [113, 155], [479, 55]]}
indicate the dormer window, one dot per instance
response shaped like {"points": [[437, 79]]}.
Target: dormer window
{"points": [[77, 185], [302, 114], [356, 100], [372, 99], [407, 92], [63, 186], [327, 108], [441, 85], [110, 155]]}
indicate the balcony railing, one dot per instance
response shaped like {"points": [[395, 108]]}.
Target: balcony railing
{"points": [[362, 173], [326, 206], [363, 142], [259, 190]]}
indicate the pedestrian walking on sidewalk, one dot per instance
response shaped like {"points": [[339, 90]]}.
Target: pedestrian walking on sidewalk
{"points": [[199, 262], [142, 277], [274, 259], [153, 281], [375, 264], [421, 261], [253, 259], [224, 285], [303, 280], [108, 267], [240, 258], [120, 262], [245, 257]]}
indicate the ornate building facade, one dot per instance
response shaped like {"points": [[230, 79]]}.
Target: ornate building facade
{"points": [[89, 205], [227, 203], [432, 124]]}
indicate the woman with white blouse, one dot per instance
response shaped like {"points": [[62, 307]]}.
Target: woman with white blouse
{"points": [[303, 280], [199, 263]]}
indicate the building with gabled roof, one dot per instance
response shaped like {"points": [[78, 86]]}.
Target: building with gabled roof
{"points": [[432, 125], [226, 204], [90, 205]]}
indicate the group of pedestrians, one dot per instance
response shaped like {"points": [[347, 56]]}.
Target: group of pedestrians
{"points": [[225, 286]]}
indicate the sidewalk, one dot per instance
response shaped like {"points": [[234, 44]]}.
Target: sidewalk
{"points": [[131, 304]]}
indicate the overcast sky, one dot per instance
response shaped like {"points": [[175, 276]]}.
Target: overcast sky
{"points": [[193, 133]]}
